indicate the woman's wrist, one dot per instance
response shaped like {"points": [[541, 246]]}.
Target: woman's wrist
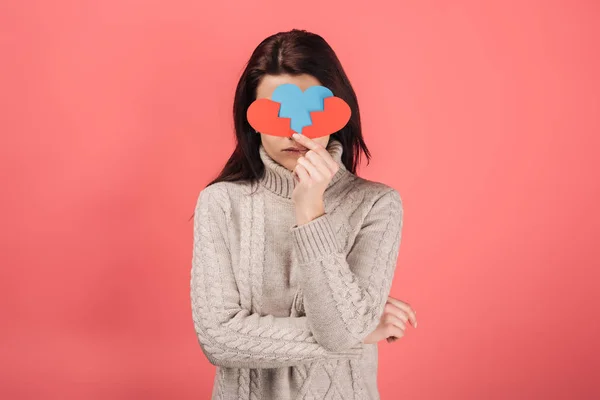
{"points": [[305, 215]]}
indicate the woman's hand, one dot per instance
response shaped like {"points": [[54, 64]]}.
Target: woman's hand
{"points": [[393, 321], [313, 172]]}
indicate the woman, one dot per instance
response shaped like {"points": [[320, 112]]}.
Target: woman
{"points": [[294, 254]]}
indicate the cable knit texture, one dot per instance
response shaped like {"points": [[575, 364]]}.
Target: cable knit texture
{"points": [[282, 309]]}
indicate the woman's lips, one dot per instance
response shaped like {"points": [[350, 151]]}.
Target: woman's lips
{"points": [[296, 151]]}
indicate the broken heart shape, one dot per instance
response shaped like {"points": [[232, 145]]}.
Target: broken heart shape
{"points": [[314, 113]]}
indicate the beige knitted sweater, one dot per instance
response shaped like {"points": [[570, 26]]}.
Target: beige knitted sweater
{"points": [[282, 310]]}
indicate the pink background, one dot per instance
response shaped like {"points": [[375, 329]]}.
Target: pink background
{"points": [[484, 115]]}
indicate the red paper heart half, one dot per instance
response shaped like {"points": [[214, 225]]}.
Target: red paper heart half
{"points": [[263, 116]]}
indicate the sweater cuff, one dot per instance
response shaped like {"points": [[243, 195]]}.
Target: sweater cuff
{"points": [[315, 239]]}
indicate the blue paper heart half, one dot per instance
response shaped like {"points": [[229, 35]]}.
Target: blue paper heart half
{"points": [[297, 105]]}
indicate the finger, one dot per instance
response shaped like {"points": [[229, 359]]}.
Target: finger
{"points": [[405, 307], [301, 173], [305, 141], [389, 318], [412, 314], [393, 330], [312, 170], [392, 309], [320, 163], [312, 145]]}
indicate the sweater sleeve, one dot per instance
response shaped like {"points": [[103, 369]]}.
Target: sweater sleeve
{"points": [[345, 294], [230, 335]]}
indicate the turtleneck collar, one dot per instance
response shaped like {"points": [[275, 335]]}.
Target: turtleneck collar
{"points": [[280, 180]]}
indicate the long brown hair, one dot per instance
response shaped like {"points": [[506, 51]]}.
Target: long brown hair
{"points": [[294, 52]]}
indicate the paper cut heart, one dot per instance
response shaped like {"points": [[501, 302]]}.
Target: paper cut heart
{"points": [[313, 113], [298, 105]]}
